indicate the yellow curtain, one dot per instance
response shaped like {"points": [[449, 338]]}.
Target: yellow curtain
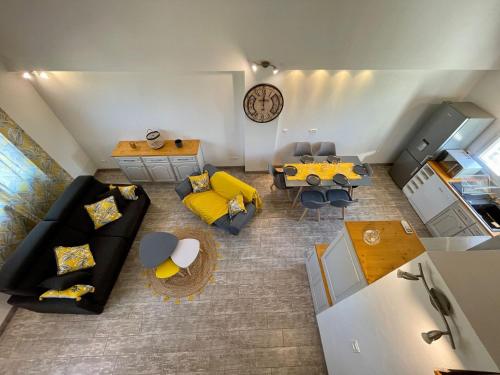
{"points": [[30, 181]]}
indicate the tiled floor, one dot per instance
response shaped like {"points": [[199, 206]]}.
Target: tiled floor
{"points": [[256, 319]]}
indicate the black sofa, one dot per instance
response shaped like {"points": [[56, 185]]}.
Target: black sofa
{"points": [[68, 224], [233, 225]]}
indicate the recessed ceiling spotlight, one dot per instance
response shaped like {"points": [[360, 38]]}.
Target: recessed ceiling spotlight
{"points": [[39, 74], [264, 64]]}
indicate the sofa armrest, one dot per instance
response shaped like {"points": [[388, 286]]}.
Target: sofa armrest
{"points": [[235, 225]]}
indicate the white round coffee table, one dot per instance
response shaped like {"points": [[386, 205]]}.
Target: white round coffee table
{"points": [[186, 252]]}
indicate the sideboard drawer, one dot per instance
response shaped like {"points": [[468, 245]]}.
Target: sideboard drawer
{"points": [[182, 159], [155, 159], [129, 160]]}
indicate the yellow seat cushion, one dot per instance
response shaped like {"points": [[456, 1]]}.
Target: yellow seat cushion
{"points": [[75, 292], [200, 183], [75, 258], [103, 212], [167, 269], [128, 192], [208, 205]]}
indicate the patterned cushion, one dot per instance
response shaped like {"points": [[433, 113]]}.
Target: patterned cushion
{"points": [[235, 206], [75, 258], [200, 183], [75, 292], [128, 192], [103, 212]]}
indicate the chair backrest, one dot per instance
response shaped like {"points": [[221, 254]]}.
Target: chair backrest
{"points": [[279, 180], [271, 169], [302, 148], [326, 149], [368, 168], [309, 202]]}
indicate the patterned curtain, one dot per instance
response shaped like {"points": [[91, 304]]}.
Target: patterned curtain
{"points": [[30, 181]]}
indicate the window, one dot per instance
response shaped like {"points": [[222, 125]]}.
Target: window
{"points": [[491, 157]]}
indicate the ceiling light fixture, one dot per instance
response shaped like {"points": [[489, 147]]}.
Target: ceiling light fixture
{"points": [[438, 300], [39, 74], [264, 64]]}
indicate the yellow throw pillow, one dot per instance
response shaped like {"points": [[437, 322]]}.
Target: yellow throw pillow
{"points": [[236, 205], [75, 258], [128, 192], [75, 292], [103, 212], [200, 183]]}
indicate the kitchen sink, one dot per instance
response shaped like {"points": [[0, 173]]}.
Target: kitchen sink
{"points": [[490, 213]]}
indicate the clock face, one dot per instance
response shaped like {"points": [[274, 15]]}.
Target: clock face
{"points": [[263, 103]]}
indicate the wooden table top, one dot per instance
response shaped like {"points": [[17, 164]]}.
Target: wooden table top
{"points": [[394, 249], [189, 148]]}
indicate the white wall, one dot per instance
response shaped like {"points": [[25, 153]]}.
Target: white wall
{"points": [[366, 113], [486, 94], [387, 318], [23, 104], [100, 109]]}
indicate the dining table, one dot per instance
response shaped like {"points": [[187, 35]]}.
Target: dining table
{"points": [[327, 171]]}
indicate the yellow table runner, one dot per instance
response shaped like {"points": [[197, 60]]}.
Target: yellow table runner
{"points": [[325, 171]]}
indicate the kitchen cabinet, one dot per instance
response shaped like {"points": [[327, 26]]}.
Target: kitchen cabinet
{"points": [[161, 172], [428, 194], [167, 164], [455, 221], [342, 269], [318, 292], [185, 169], [446, 224]]}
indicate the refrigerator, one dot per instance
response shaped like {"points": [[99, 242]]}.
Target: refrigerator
{"points": [[454, 125]]}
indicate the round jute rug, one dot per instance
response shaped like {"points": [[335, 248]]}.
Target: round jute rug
{"points": [[201, 270]]}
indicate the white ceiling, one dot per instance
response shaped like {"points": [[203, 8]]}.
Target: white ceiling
{"points": [[222, 35]]}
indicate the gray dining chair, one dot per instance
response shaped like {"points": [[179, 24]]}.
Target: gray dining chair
{"points": [[369, 170], [340, 198], [326, 149], [279, 181], [312, 200], [302, 148]]}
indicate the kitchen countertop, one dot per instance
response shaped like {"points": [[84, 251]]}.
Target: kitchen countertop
{"points": [[448, 180], [395, 248], [190, 148]]}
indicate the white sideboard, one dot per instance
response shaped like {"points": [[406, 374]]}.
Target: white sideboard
{"points": [[168, 164]]}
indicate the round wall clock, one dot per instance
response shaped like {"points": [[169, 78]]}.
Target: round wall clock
{"points": [[263, 103]]}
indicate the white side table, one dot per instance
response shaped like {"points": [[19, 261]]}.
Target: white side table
{"points": [[186, 252]]}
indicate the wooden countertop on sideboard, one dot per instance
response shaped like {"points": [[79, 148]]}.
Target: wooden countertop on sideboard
{"points": [[395, 248], [189, 147], [448, 180]]}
